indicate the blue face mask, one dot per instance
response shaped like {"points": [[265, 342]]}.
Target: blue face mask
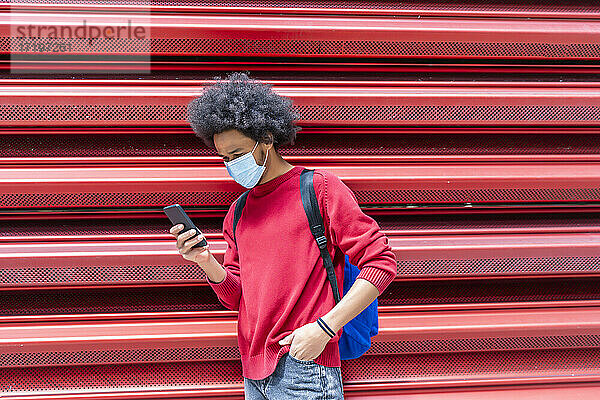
{"points": [[244, 170]]}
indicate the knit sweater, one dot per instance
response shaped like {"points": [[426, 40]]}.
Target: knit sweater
{"points": [[275, 276]]}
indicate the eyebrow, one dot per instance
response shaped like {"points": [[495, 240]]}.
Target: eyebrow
{"points": [[234, 151]]}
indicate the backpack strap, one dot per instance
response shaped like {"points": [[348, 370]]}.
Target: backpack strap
{"points": [[237, 213], [315, 220]]}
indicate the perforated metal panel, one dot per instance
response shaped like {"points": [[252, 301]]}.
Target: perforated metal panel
{"points": [[547, 6], [95, 113], [550, 6], [441, 114], [120, 377], [474, 195], [106, 228], [480, 291], [323, 48], [89, 300], [83, 199], [307, 145], [117, 274], [406, 268], [423, 368], [398, 348], [393, 223], [224, 199], [471, 365], [497, 266], [486, 223], [211, 354], [112, 227], [484, 344], [350, 115]]}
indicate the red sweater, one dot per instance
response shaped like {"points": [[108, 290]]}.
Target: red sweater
{"points": [[275, 277]]}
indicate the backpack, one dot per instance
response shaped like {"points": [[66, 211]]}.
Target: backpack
{"points": [[356, 335]]}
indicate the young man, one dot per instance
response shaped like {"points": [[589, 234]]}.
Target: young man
{"points": [[274, 276]]}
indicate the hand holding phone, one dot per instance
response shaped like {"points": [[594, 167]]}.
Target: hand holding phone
{"points": [[190, 252], [178, 216]]}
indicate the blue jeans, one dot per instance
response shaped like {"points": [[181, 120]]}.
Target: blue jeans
{"points": [[296, 379]]}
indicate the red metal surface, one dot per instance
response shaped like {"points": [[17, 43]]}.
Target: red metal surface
{"points": [[324, 106], [29, 264], [490, 308], [151, 226], [223, 313], [184, 380], [553, 9], [189, 339], [580, 391], [383, 131], [292, 36], [212, 186], [147, 147], [309, 84], [295, 160], [310, 65]]}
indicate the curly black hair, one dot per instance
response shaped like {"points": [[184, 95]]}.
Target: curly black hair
{"points": [[246, 105]]}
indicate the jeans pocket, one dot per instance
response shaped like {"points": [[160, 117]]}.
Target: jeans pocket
{"points": [[300, 361]]}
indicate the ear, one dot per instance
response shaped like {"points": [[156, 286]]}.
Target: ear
{"points": [[269, 140]]}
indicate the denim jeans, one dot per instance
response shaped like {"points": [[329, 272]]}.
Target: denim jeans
{"points": [[296, 379]]}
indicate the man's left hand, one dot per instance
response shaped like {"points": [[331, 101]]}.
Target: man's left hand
{"points": [[307, 342]]}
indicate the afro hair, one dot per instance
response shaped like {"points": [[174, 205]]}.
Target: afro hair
{"points": [[246, 105]]}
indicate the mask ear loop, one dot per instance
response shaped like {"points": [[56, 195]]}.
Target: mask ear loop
{"points": [[267, 156]]}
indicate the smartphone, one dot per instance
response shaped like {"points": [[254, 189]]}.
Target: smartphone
{"points": [[178, 216]]}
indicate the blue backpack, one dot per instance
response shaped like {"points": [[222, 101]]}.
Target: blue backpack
{"points": [[356, 334]]}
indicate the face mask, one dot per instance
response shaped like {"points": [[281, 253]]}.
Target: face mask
{"points": [[244, 170]]}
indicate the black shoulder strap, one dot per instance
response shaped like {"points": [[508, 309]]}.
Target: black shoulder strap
{"points": [[315, 220], [237, 213]]}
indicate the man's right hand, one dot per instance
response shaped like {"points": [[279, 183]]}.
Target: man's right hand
{"points": [[200, 255]]}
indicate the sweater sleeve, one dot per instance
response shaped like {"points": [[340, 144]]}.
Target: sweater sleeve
{"points": [[357, 234], [229, 290]]}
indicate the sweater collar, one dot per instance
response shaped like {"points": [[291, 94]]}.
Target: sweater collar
{"points": [[268, 187]]}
